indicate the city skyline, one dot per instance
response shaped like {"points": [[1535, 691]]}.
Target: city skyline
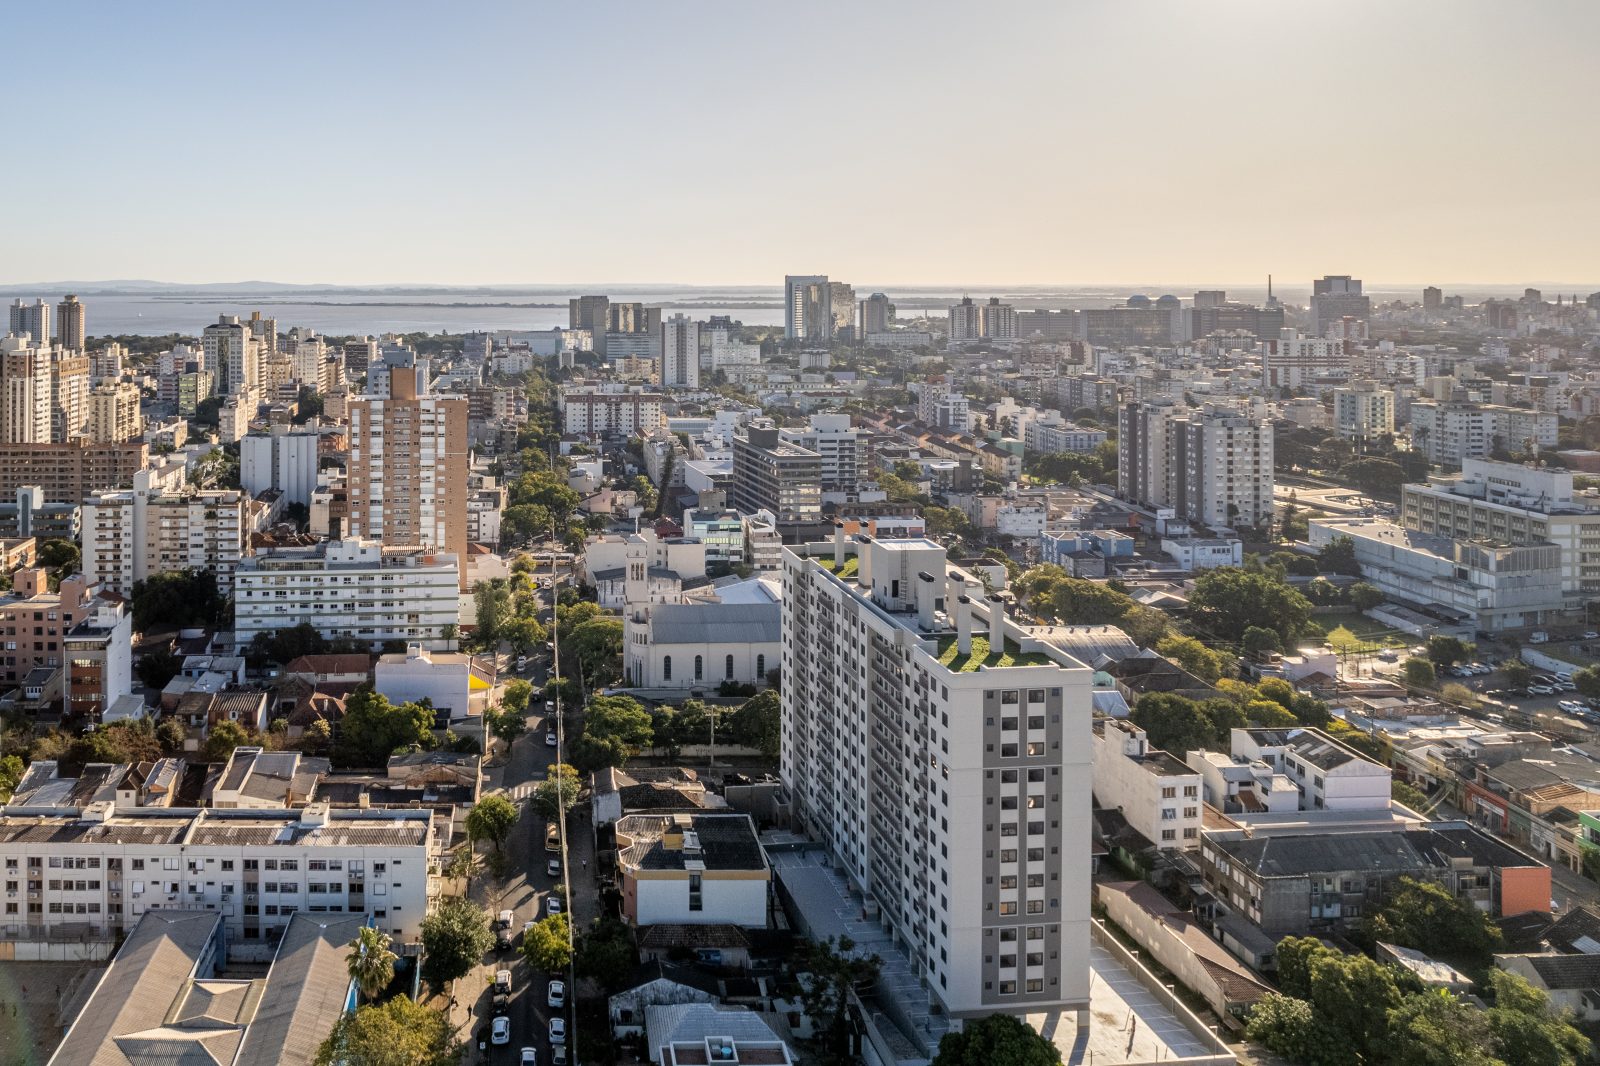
{"points": [[1117, 143]]}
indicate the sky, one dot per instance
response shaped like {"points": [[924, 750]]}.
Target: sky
{"points": [[732, 143]]}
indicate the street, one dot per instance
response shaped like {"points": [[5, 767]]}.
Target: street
{"points": [[526, 885]]}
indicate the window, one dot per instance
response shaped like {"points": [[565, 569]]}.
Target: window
{"points": [[1008, 988], [699, 668], [727, 668], [666, 668]]}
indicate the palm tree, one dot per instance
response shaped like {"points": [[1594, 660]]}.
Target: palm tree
{"points": [[370, 962]]}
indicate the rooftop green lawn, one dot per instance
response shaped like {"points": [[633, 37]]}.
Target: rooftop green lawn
{"points": [[950, 656], [847, 570]]}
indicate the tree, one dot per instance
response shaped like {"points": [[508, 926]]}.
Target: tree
{"points": [[595, 647], [370, 962], [1289, 1026], [524, 633], [1194, 657], [399, 1032], [1269, 714], [1408, 795], [59, 555], [557, 792], [1420, 673], [175, 598], [287, 645], [547, 945], [1338, 556], [1259, 641], [607, 955], [1426, 916], [1364, 597], [998, 1040], [1353, 995], [1528, 1030], [620, 718], [832, 970], [1519, 674], [1447, 651], [1294, 955], [373, 729], [158, 667], [506, 725], [1173, 723], [491, 819], [171, 735], [492, 609], [1381, 478], [223, 738], [1587, 680], [516, 697], [11, 770], [590, 753], [1230, 600], [758, 723], [454, 937], [1434, 1028]]}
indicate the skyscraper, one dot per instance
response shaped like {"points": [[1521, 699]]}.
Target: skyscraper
{"points": [[877, 314], [954, 795], [999, 320], [1432, 298], [24, 390], [408, 466], [841, 311], [1335, 296], [233, 353], [32, 319], [265, 331], [69, 324], [680, 352], [593, 314], [807, 307], [1210, 465], [966, 321]]}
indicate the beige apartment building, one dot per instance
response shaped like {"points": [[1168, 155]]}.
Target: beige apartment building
{"points": [[408, 466], [114, 414]]}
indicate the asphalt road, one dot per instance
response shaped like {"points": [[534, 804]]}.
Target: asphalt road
{"points": [[526, 886]]}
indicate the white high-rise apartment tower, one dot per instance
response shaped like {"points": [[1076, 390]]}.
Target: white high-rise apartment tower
{"points": [[877, 314], [952, 790], [32, 319], [807, 307], [680, 352], [233, 353], [966, 321]]}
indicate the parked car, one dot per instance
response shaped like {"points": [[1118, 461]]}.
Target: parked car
{"points": [[1541, 690], [557, 995], [558, 1030], [552, 904], [502, 982], [500, 1031], [502, 1005], [522, 662], [1591, 634], [558, 1055], [549, 738], [553, 867], [530, 1057]]}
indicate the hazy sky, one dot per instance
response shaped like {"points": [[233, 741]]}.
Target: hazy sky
{"points": [[733, 142]]}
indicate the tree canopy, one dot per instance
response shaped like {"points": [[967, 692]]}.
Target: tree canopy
{"points": [[1231, 600], [175, 598], [454, 937], [399, 1032], [492, 819], [372, 729], [997, 1040], [546, 945]]}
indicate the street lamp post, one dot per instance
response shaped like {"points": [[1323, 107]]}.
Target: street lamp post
{"points": [[561, 813]]}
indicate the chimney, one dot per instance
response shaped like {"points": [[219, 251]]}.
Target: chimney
{"points": [[963, 625], [955, 587], [997, 622], [838, 546], [927, 592], [864, 562]]}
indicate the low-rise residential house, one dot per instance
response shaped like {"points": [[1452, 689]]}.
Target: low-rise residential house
{"points": [[658, 984], [1330, 775], [458, 685], [1156, 792], [1302, 878], [689, 868], [1237, 785], [1571, 981]]}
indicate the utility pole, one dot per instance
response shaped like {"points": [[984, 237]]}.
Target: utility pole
{"points": [[561, 813]]}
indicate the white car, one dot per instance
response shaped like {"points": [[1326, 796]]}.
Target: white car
{"points": [[1541, 690], [557, 996], [530, 1057], [500, 1031], [1571, 706], [550, 738], [553, 867], [558, 1030], [552, 905]]}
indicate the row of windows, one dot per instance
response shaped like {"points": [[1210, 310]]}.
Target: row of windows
{"points": [[699, 667]]}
